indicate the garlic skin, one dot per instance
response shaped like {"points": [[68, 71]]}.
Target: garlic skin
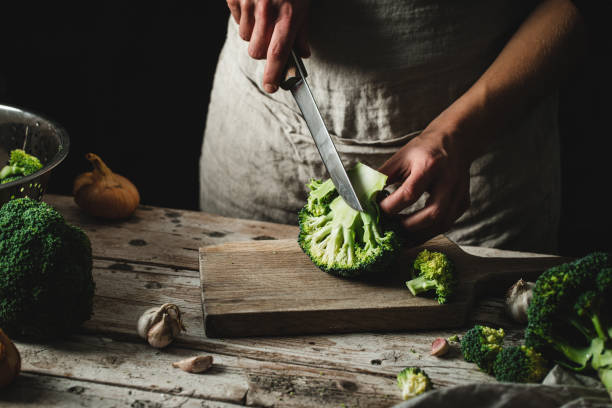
{"points": [[160, 325], [105, 194], [518, 299], [197, 364], [439, 347], [10, 360]]}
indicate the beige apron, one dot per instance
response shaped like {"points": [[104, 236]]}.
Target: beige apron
{"points": [[380, 71]]}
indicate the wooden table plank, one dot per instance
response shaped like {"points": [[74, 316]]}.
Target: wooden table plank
{"points": [[325, 370], [44, 390]]}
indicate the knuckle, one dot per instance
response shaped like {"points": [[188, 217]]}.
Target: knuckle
{"points": [[406, 193], [434, 213], [233, 4]]}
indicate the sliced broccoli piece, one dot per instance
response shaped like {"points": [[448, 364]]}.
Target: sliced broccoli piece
{"points": [[20, 164], [519, 364], [413, 381], [340, 240], [435, 272], [570, 315], [480, 345]]}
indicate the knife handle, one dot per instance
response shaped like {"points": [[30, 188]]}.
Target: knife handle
{"points": [[294, 71]]}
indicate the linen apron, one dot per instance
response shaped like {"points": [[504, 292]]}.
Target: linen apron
{"points": [[380, 71]]}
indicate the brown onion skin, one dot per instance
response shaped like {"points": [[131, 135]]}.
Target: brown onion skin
{"points": [[104, 194], [10, 360]]}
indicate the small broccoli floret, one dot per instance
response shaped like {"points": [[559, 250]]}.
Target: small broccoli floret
{"points": [[46, 284], [519, 364], [20, 164], [340, 240], [480, 345], [570, 315], [435, 272], [413, 381]]}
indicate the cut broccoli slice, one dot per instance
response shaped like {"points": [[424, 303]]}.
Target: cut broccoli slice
{"points": [[480, 345], [435, 272], [20, 164], [340, 240], [413, 381], [519, 364]]}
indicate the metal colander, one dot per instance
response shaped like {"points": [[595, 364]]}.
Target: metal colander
{"points": [[41, 138]]}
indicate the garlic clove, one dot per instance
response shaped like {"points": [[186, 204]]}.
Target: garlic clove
{"points": [[146, 320], [517, 300], [161, 333], [197, 364], [439, 347]]}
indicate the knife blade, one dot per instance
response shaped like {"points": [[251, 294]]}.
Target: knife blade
{"points": [[295, 81]]}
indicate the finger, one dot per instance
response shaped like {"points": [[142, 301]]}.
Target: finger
{"points": [[262, 31], [301, 42], [234, 6], [280, 46], [247, 19], [435, 213], [409, 192], [394, 168]]}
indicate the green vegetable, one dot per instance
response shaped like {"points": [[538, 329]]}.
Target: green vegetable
{"points": [[454, 338], [519, 364], [480, 345], [435, 272], [570, 315], [20, 164], [413, 381], [340, 240], [46, 285]]}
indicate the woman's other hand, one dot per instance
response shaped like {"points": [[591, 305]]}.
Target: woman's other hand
{"points": [[428, 163], [272, 28]]}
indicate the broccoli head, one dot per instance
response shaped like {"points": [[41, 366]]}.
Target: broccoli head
{"points": [[480, 345], [20, 164], [413, 381], [570, 315], [520, 364], [435, 272], [46, 284], [340, 240]]}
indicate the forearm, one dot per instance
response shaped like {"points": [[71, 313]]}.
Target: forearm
{"points": [[536, 58]]}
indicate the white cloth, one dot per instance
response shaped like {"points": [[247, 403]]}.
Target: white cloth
{"points": [[380, 71]]}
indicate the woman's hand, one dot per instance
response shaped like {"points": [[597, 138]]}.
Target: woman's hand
{"points": [[272, 28], [428, 163]]}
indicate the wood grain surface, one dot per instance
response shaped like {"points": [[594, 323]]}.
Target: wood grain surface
{"points": [[272, 288]]}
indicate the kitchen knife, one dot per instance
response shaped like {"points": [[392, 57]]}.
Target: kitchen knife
{"points": [[295, 81]]}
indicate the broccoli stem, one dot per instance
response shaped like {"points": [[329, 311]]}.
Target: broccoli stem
{"points": [[10, 171], [580, 356], [598, 328], [605, 376], [420, 285]]}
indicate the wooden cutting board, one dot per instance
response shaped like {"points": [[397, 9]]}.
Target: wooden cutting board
{"points": [[272, 288]]}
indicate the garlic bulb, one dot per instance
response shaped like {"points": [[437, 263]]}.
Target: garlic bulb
{"points": [[197, 364], [160, 325], [10, 360], [105, 194], [518, 299]]}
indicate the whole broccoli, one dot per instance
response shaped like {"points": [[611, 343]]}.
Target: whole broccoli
{"points": [[434, 272], [519, 364], [570, 315], [480, 345], [340, 240], [46, 284], [413, 381], [20, 164]]}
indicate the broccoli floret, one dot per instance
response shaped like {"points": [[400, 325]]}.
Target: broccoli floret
{"points": [[413, 381], [434, 272], [570, 315], [46, 284], [20, 164], [480, 345], [340, 240], [519, 364]]}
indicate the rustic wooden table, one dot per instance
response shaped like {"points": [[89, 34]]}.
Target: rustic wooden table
{"points": [[153, 259]]}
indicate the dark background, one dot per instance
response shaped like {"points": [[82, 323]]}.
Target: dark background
{"points": [[131, 82]]}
